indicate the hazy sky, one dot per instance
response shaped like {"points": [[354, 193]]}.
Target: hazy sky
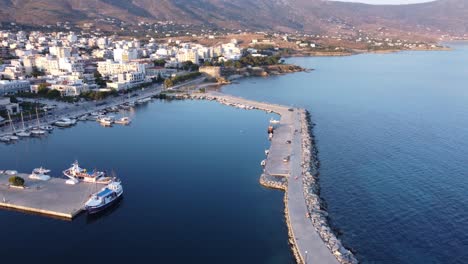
{"points": [[395, 2]]}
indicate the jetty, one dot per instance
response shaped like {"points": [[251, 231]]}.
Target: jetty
{"points": [[291, 165], [51, 198]]}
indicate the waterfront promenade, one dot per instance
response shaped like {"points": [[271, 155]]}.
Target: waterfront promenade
{"points": [[307, 244]]}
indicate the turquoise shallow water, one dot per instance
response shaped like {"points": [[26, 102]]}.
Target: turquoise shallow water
{"points": [[392, 131], [190, 171]]}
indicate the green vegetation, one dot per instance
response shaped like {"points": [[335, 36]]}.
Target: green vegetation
{"points": [[97, 95], [16, 181], [189, 66], [159, 62], [182, 78], [98, 79]]}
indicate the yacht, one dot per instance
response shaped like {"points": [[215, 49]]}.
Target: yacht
{"points": [[274, 121], [80, 174], [123, 121], [106, 197], [5, 139], [40, 174]]}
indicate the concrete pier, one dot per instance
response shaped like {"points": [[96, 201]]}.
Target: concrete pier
{"points": [[52, 197], [288, 138]]}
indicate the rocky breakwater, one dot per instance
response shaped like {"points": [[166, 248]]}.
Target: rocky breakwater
{"points": [[273, 182], [316, 210]]}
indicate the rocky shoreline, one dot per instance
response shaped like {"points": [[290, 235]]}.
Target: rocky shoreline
{"points": [[317, 212]]}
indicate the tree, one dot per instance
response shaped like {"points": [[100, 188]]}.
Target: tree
{"points": [[16, 181], [42, 89], [159, 62], [168, 83], [53, 94], [98, 79]]}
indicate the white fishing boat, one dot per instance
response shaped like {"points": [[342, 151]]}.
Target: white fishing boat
{"points": [[123, 121], [83, 118], [274, 121], [267, 151], [106, 197], [80, 174], [40, 174], [270, 136], [263, 163]]}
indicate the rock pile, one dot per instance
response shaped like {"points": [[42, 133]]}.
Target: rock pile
{"points": [[318, 215]]}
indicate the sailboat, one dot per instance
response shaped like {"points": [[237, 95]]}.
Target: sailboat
{"points": [[37, 131], [24, 132], [13, 130]]}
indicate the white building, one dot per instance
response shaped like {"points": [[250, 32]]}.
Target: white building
{"points": [[8, 87], [125, 55], [109, 67], [128, 80]]}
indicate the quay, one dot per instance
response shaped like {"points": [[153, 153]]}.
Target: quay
{"points": [[311, 239], [52, 197]]}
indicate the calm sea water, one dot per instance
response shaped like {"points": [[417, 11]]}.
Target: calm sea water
{"points": [[190, 172], [392, 133]]}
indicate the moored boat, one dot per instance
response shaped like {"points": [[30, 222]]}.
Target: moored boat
{"points": [[123, 121], [106, 197], [40, 174], [77, 173]]}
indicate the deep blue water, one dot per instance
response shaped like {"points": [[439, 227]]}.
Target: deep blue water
{"points": [[392, 132], [190, 171]]}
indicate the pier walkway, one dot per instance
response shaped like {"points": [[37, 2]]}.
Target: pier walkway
{"points": [[308, 245], [53, 197]]}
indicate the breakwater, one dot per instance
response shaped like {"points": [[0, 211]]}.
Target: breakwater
{"points": [[292, 165]]}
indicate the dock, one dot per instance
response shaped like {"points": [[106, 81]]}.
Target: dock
{"points": [[291, 138], [51, 198]]}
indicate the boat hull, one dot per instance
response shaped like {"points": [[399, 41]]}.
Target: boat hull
{"points": [[97, 209]]}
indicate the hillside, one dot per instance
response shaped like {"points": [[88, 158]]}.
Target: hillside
{"points": [[284, 15]]}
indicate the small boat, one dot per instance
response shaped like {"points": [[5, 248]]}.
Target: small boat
{"points": [[65, 122], [13, 137], [40, 174], [106, 197], [106, 120], [11, 172], [80, 174], [5, 139], [144, 100], [267, 151], [47, 128], [37, 132], [123, 121], [23, 133], [263, 163], [274, 121], [112, 109], [270, 136]]}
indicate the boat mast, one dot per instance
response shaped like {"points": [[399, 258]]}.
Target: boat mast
{"points": [[38, 122], [22, 121], [13, 130]]}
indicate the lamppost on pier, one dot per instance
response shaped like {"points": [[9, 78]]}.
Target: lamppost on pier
{"points": [[305, 257]]}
